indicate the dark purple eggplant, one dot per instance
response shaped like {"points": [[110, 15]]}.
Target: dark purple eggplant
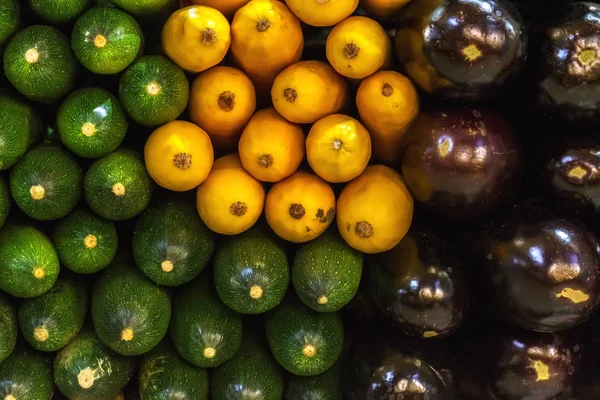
{"points": [[461, 162], [419, 286], [566, 57], [461, 49], [539, 271]]}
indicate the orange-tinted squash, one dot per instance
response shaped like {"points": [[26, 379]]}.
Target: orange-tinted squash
{"points": [[300, 208], [226, 7], [387, 103], [222, 100], [358, 47], [322, 12], [178, 156], [196, 37], [375, 210], [307, 91], [271, 148], [267, 37], [338, 148], [383, 10]]}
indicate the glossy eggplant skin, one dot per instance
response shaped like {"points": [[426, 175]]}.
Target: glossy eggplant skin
{"points": [[566, 57], [461, 49], [379, 367], [540, 271], [461, 162], [419, 286]]}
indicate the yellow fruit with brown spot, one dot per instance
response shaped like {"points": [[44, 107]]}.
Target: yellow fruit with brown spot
{"points": [[322, 12], [178, 156], [383, 10], [226, 7], [222, 100], [375, 210], [307, 91], [196, 37], [230, 200], [358, 47], [300, 208], [267, 37], [388, 104], [271, 148], [338, 148]]}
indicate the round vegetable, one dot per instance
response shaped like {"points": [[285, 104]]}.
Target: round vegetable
{"points": [[57, 12]]}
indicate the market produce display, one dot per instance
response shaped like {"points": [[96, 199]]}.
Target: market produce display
{"points": [[299, 200]]}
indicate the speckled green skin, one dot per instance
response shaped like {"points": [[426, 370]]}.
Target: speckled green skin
{"points": [[8, 327], [292, 325], [57, 12], [61, 311], [69, 239], [112, 371], [23, 249], [125, 167], [97, 107], [200, 321], [10, 20], [146, 8], [154, 110], [251, 259], [164, 375], [20, 127], [327, 267], [124, 40], [5, 201], [251, 374], [57, 172], [123, 298], [326, 386], [26, 376], [172, 232], [50, 78]]}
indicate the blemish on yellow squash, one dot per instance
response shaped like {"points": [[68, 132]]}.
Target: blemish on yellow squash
{"points": [[178, 155], [375, 210], [322, 12], [271, 148], [300, 208]]}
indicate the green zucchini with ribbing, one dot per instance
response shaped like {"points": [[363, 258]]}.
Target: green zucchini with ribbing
{"points": [[88, 370], [204, 330], [117, 186], [154, 90], [325, 386], [85, 243], [58, 12], [8, 327], [46, 183], [26, 375], [20, 128], [106, 40], [165, 375], [131, 314], [49, 322], [29, 264], [39, 63], [251, 272], [5, 201], [251, 370], [10, 20], [91, 122], [305, 342]]}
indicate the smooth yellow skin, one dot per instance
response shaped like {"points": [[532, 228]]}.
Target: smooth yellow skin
{"points": [[263, 55], [182, 38], [223, 121], [388, 104], [383, 9], [374, 47], [271, 148], [226, 7], [379, 197], [307, 91], [227, 185], [171, 143], [315, 197], [338, 148], [322, 12]]}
